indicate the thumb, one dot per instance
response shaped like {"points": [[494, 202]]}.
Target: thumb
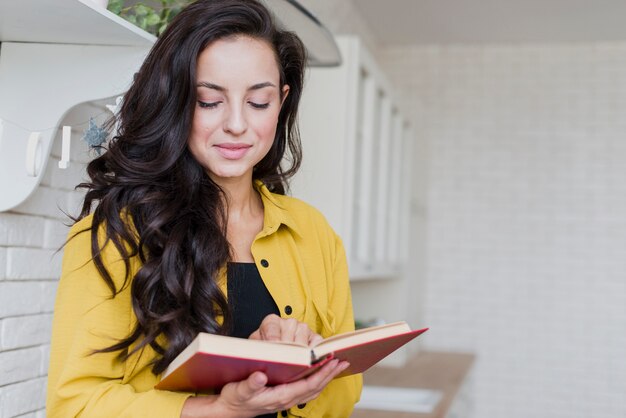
{"points": [[253, 384]]}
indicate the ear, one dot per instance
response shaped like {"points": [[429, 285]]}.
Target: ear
{"points": [[285, 93]]}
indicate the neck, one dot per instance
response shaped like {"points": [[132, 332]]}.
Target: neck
{"points": [[242, 199]]}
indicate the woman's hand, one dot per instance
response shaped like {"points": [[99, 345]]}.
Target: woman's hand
{"points": [[251, 397], [275, 328]]}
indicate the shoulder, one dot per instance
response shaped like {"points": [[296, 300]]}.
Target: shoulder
{"points": [[79, 238], [289, 208], [301, 209], [82, 226], [78, 254], [306, 218]]}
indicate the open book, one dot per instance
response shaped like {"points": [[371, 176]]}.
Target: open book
{"points": [[211, 361]]}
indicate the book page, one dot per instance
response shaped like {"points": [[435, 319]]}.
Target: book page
{"points": [[361, 336]]}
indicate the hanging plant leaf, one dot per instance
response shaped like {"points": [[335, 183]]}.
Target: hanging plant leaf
{"points": [[115, 6], [151, 19], [95, 136], [142, 10]]}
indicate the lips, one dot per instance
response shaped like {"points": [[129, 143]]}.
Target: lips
{"points": [[232, 151]]}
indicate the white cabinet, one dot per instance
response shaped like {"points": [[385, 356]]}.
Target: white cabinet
{"points": [[356, 166]]}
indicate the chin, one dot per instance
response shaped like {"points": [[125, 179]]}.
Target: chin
{"points": [[229, 174]]}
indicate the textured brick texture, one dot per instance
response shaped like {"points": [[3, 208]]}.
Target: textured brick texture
{"points": [[30, 264], [23, 398], [526, 215], [25, 331]]}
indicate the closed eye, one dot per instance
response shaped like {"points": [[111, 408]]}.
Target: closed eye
{"points": [[207, 105], [259, 105]]}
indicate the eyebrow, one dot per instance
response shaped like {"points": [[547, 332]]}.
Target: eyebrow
{"points": [[213, 86]]}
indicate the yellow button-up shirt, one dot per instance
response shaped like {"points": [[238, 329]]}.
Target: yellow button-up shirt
{"points": [[304, 268]]}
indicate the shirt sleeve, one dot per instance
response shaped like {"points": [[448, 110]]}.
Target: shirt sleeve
{"points": [[88, 318]]}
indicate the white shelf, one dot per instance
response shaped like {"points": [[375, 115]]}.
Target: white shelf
{"points": [[85, 23], [82, 51], [67, 22]]}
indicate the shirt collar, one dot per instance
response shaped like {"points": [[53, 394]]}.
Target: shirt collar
{"points": [[275, 213]]}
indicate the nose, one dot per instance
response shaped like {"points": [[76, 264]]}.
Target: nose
{"points": [[235, 121]]}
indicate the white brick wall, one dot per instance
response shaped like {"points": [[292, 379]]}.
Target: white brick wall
{"points": [[526, 215], [30, 236], [19, 365], [22, 397], [24, 331]]}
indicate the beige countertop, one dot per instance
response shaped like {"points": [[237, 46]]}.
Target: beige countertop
{"points": [[426, 370]]}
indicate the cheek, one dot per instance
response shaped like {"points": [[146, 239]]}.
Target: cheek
{"points": [[201, 121], [199, 135], [202, 127], [266, 127]]}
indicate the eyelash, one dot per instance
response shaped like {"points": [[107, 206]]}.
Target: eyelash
{"points": [[259, 106], [206, 105], [213, 105]]}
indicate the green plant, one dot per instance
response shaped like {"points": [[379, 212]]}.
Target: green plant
{"points": [[151, 18]]}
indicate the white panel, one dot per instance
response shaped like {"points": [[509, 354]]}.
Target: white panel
{"points": [[383, 182], [365, 174], [396, 180]]}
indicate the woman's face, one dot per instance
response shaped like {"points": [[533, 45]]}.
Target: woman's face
{"points": [[239, 100]]}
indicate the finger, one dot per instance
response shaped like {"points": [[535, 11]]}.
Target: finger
{"points": [[332, 372], [303, 334], [270, 328], [320, 385], [317, 379], [250, 387], [304, 390], [315, 339], [288, 330], [311, 387]]}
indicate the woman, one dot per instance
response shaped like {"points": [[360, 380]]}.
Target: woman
{"points": [[192, 232]]}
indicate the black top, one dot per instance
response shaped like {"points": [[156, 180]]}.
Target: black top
{"points": [[248, 298], [249, 301]]}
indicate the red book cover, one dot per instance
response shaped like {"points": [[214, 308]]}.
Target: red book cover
{"points": [[365, 355], [206, 371], [211, 361]]}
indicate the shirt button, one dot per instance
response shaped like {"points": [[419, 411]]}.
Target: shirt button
{"points": [[265, 263], [283, 413], [288, 310], [301, 406]]}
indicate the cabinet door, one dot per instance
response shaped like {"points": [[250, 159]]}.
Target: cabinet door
{"points": [[405, 196], [395, 208], [383, 180], [352, 171], [365, 170]]}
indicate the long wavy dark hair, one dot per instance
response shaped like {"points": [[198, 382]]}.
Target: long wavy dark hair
{"points": [[155, 202]]}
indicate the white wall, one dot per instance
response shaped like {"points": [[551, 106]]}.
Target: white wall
{"points": [[30, 265], [526, 215]]}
